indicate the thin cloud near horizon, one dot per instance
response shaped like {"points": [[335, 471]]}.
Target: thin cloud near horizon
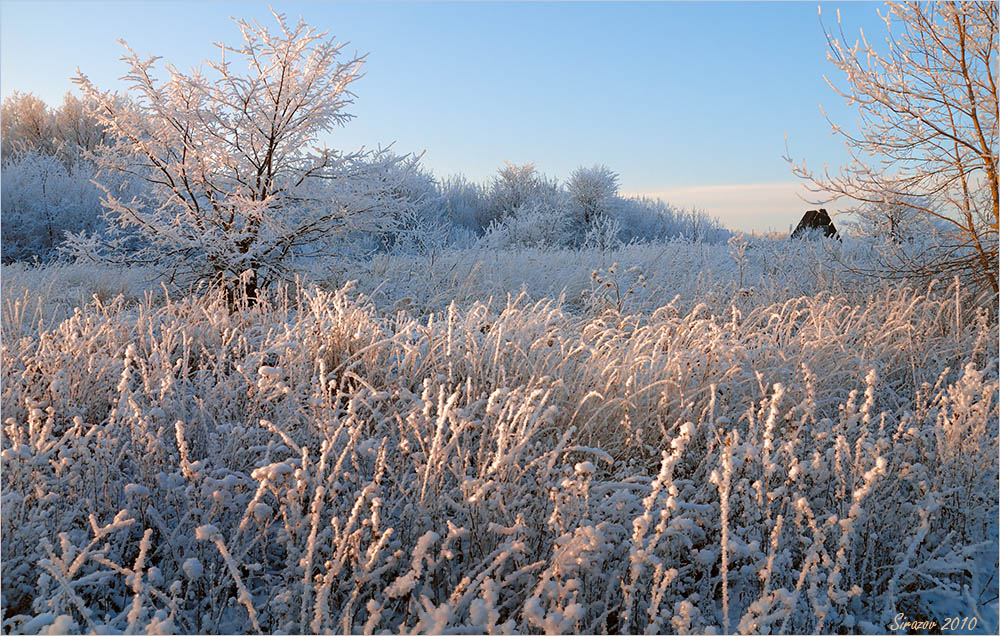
{"points": [[739, 205]]}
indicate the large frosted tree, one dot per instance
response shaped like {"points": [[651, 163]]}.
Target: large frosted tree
{"points": [[237, 183], [926, 140]]}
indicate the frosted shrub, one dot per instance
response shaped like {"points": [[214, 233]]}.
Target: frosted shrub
{"points": [[516, 187], [42, 200], [66, 131], [604, 234], [465, 204], [534, 225], [646, 219], [26, 125], [589, 209], [418, 223], [592, 192], [312, 464]]}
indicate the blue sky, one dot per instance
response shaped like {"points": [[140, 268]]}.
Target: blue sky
{"points": [[685, 100]]}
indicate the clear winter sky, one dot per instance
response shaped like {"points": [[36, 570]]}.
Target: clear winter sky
{"points": [[688, 101]]}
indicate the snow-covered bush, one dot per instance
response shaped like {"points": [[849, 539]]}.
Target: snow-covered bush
{"points": [[593, 192], [42, 199], [77, 131], [535, 224], [515, 187], [647, 219], [895, 221], [696, 225], [465, 204], [587, 211], [421, 223], [604, 234]]}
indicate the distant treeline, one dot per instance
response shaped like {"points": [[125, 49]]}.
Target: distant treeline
{"points": [[50, 192]]}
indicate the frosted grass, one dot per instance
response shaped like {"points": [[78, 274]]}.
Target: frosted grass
{"points": [[673, 452]]}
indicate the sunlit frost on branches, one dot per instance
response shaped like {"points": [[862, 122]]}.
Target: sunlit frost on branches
{"points": [[236, 180], [927, 135]]}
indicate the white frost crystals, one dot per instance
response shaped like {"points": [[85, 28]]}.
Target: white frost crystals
{"points": [[192, 568]]}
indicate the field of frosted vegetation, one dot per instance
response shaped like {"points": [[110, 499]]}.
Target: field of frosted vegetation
{"points": [[252, 383], [667, 437]]}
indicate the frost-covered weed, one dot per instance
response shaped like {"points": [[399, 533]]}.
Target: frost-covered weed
{"points": [[313, 463]]}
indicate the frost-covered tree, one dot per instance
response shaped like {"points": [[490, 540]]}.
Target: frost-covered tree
{"points": [[25, 124], [421, 223], [238, 185], [66, 131], [76, 128], [515, 186], [897, 223], [927, 137], [592, 191]]}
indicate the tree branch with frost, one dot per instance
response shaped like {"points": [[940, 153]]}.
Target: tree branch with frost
{"points": [[235, 177], [927, 131]]}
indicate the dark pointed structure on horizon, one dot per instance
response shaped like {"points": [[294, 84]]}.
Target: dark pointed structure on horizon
{"points": [[813, 222]]}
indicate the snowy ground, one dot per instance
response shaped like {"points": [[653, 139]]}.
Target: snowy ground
{"points": [[662, 438]]}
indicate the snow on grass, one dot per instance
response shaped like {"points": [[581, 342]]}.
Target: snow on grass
{"points": [[798, 453]]}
